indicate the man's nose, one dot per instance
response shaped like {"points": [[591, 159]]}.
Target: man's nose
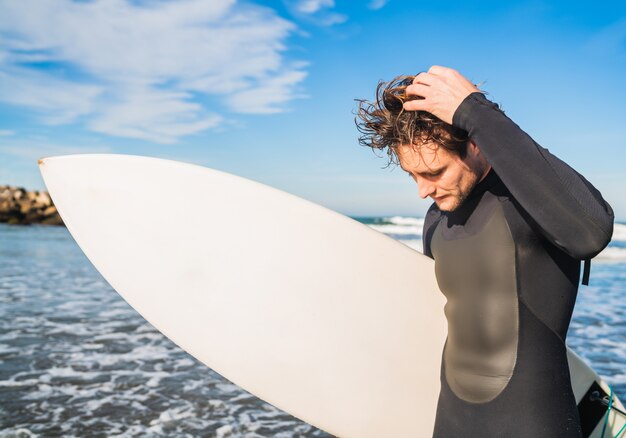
{"points": [[425, 187]]}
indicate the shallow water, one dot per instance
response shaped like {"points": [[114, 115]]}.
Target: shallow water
{"points": [[76, 360]]}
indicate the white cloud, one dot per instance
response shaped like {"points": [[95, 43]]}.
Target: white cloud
{"points": [[269, 96], [332, 19], [154, 115], [6, 133], [144, 70], [377, 4], [58, 101], [313, 6], [33, 150], [316, 11]]}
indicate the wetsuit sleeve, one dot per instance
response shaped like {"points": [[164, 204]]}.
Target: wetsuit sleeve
{"points": [[430, 222], [568, 210]]}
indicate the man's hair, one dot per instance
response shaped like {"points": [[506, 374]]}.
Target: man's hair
{"points": [[384, 124]]}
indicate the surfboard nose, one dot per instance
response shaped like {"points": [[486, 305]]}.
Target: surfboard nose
{"points": [[44, 160]]}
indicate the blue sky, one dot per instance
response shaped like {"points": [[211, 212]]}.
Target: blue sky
{"points": [[266, 90]]}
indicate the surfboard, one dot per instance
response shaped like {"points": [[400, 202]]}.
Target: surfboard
{"points": [[592, 396], [311, 311]]}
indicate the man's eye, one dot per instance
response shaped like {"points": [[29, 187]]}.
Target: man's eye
{"points": [[436, 173]]}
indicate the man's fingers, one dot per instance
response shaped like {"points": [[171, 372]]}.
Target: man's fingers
{"points": [[424, 78], [440, 71], [416, 105], [418, 90]]}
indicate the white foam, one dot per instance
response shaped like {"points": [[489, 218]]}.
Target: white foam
{"points": [[74, 304], [618, 379], [404, 220], [70, 372], [4, 349], [191, 385], [619, 232], [17, 433], [217, 404], [225, 431], [173, 414], [411, 226], [611, 254], [124, 311], [14, 383], [88, 346], [70, 329], [155, 378], [92, 405]]}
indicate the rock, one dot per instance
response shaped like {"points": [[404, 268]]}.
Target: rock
{"points": [[49, 211], [26, 206], [20, 206], [52, 220], [5, 193], [43, 199], [6, 204]]}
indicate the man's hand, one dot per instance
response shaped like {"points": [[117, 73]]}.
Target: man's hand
{"points": [[442, 88]]}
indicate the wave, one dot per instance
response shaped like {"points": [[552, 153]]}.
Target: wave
{"points": [[406, 220], [611, 254], [619, 233], [408, 230]]}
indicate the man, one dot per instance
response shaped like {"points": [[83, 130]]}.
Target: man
{"points": [[508, 228]]}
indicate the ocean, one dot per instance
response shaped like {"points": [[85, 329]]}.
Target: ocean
{"points": [[76, 360]]}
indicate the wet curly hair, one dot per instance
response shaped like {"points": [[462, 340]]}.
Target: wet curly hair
{"points": [[384, 124]]}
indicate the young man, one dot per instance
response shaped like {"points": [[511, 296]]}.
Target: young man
{"points": [[508, 228]]}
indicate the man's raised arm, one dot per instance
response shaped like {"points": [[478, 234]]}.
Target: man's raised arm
{"points": [[570, 212]]}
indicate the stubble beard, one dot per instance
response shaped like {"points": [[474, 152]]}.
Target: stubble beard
{"points": [[458, 200], [461, 197]]}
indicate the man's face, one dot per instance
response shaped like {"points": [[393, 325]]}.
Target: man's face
{"points": [[442, 175]]}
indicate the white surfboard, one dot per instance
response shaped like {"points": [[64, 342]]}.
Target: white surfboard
{"points": [[325, 318], [588, 387]]}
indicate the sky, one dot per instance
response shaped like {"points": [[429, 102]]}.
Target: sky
{"points": [[266, 90]]}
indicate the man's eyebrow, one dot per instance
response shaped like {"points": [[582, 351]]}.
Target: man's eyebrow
{"points": [[429, 172], [432, 171]]}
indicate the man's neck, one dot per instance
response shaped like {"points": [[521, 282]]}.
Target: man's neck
{"points": [[485, 173]]}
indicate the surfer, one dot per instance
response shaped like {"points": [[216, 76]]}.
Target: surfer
{"points": [[508, 229]]}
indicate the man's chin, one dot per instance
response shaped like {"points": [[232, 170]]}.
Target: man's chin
{"points": [[448, 203]]}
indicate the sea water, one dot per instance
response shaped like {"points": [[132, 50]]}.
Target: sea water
{"points": [[76, 360]]}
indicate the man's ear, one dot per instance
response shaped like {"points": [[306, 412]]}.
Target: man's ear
{"points": [[474, 152], [472, 148]]}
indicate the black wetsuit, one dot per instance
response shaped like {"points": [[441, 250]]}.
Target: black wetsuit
{"points": [[508, 261]]}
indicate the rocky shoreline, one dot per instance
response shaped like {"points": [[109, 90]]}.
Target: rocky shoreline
{"points": [[22, 207]]}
